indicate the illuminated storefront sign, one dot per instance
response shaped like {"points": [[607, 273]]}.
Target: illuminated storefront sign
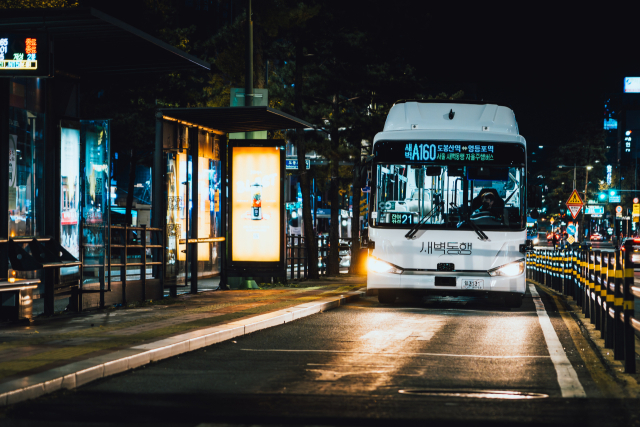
{"points": [[256, 204], [24, 55], [609, 170], [449, 152], [632, 84]]}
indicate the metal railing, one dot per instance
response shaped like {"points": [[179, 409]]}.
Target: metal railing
{"points": [[297, 259], [601, 281], [123, 239]]}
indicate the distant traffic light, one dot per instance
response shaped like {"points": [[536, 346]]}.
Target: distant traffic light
{"points": [[602, 196], [612, 193]]}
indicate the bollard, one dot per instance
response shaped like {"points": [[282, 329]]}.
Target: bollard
{"points": [[578, 272], [585, 282], [591, 285], [601, 294], [596, 290], [567, 273], [549, 258], [628, 310], [618, 324], [608, 296], [539, 266], [576, 276]]}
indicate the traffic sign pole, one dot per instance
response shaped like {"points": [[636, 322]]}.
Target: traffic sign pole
{"points": [[575, 204]]}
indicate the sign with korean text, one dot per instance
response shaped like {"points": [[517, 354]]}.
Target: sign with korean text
{"points": [[292, 164], [24, 54], [447, 152]]}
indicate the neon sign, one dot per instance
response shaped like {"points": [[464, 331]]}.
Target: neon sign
{"points": [[23, 55]]}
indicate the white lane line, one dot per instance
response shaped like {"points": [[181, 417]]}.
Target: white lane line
{"points": [[477, 356], [567, 376]]}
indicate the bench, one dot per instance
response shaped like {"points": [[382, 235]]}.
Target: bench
{"points": [[47, 255], [16, 298]]}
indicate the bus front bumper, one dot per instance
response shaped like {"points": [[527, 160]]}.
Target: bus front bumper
{"points": [[467, 284]]}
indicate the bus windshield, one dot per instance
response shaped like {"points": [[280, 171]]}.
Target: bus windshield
{"points": [[448, 196]]}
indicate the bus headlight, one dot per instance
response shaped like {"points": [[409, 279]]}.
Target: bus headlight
{"points": [[512, 269], [378, 266]]}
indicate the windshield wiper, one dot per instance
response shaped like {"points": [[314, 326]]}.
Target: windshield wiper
{"points": [[475, 228], [423, 221]]}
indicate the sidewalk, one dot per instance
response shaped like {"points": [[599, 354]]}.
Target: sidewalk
{"points": [[69, 350]]}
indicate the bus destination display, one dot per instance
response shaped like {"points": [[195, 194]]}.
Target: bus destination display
{"points": [[449, 152], [401, 218], [23, 54]]}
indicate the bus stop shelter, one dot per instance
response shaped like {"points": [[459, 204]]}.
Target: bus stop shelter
{"points": [[55, 164], [190, 143]]}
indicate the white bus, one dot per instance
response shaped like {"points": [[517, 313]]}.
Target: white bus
{"points": [[448, 203]]}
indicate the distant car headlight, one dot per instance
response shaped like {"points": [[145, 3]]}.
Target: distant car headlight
{"points": [[535, 241], [378, 266], [512, 269]]}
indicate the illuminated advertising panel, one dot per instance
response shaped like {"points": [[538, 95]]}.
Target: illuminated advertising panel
{"points": [[256, 203], [70, 189], [24, 54]]}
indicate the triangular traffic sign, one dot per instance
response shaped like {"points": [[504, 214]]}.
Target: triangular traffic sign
{"points": [[575, 210], [575, 199]]}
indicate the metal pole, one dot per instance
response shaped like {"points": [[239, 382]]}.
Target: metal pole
{"points": [[224, 284], [158, 212], [193, 135], [4, 173], [248, 78]]}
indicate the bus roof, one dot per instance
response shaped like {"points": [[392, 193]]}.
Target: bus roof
{"points": [[451, 116]]}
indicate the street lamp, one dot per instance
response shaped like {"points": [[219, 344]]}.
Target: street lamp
{"points": [[588, 168]]}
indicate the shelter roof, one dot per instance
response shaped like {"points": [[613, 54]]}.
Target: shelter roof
{"points": [[235, 119], [88, 41]]}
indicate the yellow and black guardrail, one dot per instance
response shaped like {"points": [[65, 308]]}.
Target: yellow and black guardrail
{"points": [[601, 283]]}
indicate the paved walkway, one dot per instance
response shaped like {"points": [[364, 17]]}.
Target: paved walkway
{"points": [[28, 349]]}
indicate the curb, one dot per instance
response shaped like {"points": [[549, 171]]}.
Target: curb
{"points": [[80, 373]]}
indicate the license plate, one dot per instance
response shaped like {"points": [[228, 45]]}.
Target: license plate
{"points": [[473, 284]]}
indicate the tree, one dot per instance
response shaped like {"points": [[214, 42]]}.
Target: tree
{"points": [[586, 149], [37, 4]]}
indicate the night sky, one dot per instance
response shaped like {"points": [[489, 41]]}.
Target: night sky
{"points": [[553, 66]]}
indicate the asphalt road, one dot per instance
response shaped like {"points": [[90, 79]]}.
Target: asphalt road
{"points": [[443, 361]]}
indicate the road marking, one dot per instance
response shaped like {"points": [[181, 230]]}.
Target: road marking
{"points": [[477, 356], [567, 377], [598, 371], [351, 365]]}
